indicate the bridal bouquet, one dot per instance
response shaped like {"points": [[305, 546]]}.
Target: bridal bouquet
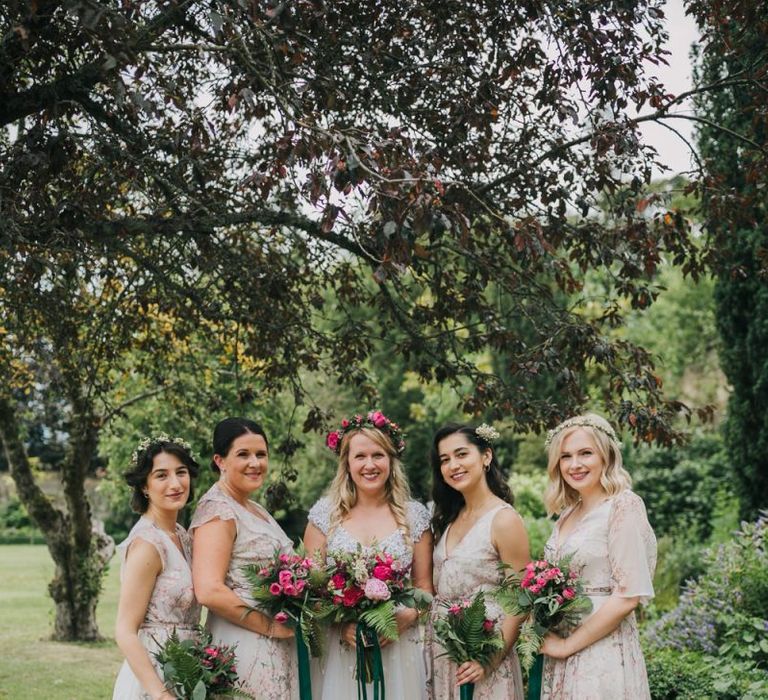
{"points": [[365, 587], [551, 595], [291, 588], [197, 669], [467, 634]]}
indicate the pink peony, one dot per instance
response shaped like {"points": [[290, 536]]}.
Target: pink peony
{"points": [[382, 572], [332, 440], [488, 625], [285, 577], [569, 593], [375, 589], [281, 617], [275, 589], [378, 419]]}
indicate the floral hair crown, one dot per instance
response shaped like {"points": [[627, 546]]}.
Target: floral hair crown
{"points": [[148, 441], [374, 419], [487, 433], [582, 422]]}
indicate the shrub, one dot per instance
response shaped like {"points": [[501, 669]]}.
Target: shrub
{"points": [[679, 676]]}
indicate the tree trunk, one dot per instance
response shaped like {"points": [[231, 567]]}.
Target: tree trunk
{"points": [[79, 550]]}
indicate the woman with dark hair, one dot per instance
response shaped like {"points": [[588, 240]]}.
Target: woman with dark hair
{"points": [[477, 528], [156, 594], [230, 532]]}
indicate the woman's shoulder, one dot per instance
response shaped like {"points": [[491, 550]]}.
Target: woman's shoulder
{"points": [[419, 519], [504, 515], [320, 514], [213, 504], [147, 538], [627, 499]]}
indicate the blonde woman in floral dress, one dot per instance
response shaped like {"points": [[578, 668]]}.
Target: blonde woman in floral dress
{"points": [[604, 527], [368, 505], [478, 529], [156, 595], [230, 532]]}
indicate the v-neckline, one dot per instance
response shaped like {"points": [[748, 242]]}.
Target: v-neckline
{"points": [[178, 547], [464, 536], [560, 540]]}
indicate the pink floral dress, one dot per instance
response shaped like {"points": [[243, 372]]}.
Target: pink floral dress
{"points": [[268, 667], [614, 549], [471, 566], [172, 605]]}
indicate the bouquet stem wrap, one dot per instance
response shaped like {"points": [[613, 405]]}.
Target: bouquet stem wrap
{"points": [[305, 678], [534, 678], [467, 691], [370, 668]]}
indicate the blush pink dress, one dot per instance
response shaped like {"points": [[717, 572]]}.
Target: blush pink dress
{"points": [[172, 605], [471, 566], [268, 667], [614, 549]]}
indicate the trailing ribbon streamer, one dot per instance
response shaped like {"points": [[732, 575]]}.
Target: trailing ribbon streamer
{"points": [[370, 668], [305, 678], [467, 691], [534, 678]]}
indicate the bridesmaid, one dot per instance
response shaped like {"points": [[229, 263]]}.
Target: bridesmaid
{"points": [[368, 505], [156, 593], [603, 525], [230, 532], [477, 528]]}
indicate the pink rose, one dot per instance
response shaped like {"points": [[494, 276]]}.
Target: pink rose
{"points": [[376, 589], [378, 419], [338, 580], [211, 652], [285, 558], [569, 594], [300, 585], [289, 589], [281, 617], [332, 440], [560, 600], [275, 589], [344, 423], [382, 572], [285, 577], [488, 625]]}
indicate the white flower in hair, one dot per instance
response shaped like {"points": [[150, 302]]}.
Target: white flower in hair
{"points": [[583, 422], [487, 432], [148, 441]]}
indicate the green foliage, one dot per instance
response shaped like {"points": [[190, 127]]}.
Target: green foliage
{"points": [[382, 619], [674, 675]]}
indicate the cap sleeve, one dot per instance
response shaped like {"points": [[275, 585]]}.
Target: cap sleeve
{"points": [[149, 535], [210, 507], [631, 547], [418, 519], [320, 515]]}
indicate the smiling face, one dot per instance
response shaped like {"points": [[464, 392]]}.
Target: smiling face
{"points": [[245, 466], [369, 464], [167, 487], [462, 464], [581, 464]]}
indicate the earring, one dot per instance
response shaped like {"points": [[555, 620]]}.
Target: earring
{"points": [[486, 467]]}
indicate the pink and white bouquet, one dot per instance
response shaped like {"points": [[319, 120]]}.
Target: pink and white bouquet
{"points": [[291, 588], [551, 595]]}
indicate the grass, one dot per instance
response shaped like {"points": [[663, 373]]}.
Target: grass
{"points": [[31, 666]]}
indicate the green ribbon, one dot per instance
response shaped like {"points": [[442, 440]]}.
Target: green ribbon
{"points": [[305, 678], [467, 691], [534, 678], [370, 668]]}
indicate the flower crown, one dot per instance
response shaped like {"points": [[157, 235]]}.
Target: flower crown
{"points": [[150, 440], [487, 433], [582, 422], [374, 419]]}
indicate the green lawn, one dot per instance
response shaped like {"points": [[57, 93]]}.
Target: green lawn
{"points": [[31, 666]]}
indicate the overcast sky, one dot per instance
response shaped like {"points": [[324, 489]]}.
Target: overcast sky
{"points": [[676, 77]]}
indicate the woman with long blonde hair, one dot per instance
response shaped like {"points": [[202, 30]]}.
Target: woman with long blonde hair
{"points": [[368, 506], [604, 528]]}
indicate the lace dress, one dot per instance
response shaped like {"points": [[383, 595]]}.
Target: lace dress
{"points": [[403, 660], [268, 667], [471, 566], [615, 550], [172, 605]]}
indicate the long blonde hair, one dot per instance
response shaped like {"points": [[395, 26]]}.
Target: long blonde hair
{"points": [[614, 478], [342, 492]]}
